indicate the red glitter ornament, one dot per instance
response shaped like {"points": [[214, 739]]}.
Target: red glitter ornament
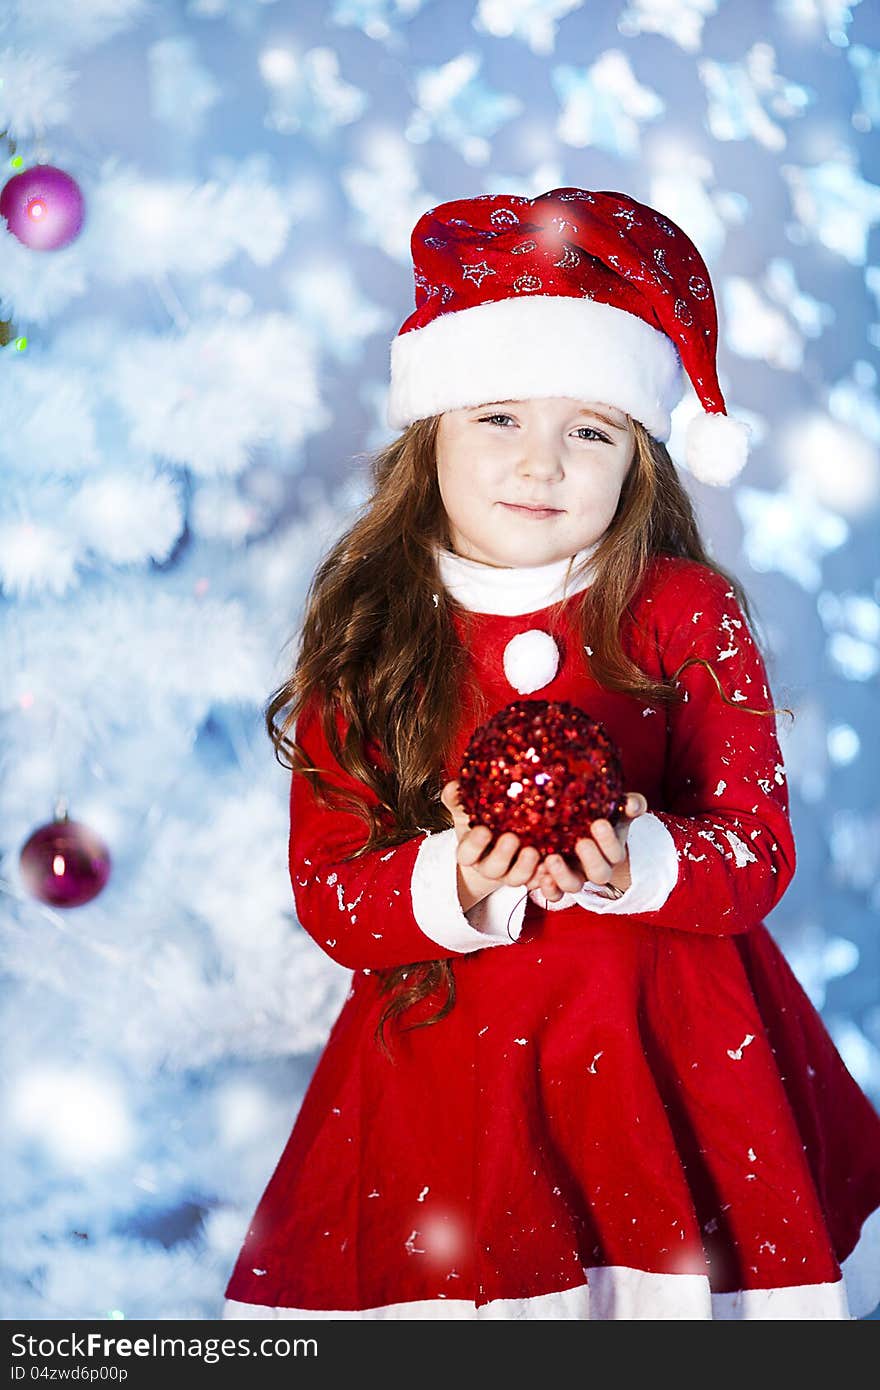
{"points": [[545, 770]]}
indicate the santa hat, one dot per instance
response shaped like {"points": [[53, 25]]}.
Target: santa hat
{"points": [[573, 293]]}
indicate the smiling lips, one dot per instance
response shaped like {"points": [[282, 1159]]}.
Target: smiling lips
{"points": [[537, 512]]}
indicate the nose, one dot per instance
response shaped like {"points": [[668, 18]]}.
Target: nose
{"points": [[541, 459]]}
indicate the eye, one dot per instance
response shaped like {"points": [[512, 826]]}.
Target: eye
{"points": [[487, 419]]}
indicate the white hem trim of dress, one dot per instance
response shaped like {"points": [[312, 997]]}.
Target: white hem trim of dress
{"points": [[616, 1292]]}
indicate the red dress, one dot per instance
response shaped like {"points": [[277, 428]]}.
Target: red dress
{"points": [[633, 1110]]}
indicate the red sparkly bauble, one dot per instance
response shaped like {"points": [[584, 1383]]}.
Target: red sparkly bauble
{"points": [[64, 863], [545, 770]]}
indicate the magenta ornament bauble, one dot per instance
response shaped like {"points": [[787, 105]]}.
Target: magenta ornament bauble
{"points": [[44, 207], [545, 770], [64, 863]]}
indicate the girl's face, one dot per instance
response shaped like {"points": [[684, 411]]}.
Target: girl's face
{"points": [[550, 451]]}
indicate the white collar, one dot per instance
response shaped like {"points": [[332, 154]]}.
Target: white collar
{"points": [[508, 591]]}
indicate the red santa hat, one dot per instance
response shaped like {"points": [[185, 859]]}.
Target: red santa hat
{"points": [[573, 293]]}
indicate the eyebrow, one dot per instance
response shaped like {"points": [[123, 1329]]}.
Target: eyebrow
{"points": [[594, 414]]}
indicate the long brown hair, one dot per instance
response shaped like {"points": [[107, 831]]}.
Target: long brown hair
{"points": [[378, 642]]}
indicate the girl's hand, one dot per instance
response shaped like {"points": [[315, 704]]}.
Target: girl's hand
{"points": [[603, 857], [505, 863]]}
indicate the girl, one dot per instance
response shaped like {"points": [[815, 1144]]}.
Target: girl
{"points": [[591, 1086]]}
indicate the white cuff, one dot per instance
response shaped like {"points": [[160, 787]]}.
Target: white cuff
{"points": [[435, 902], [653, 866], [501, 912]]}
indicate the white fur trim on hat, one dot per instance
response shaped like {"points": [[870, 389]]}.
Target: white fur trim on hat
{"points": [[716, 447], [536, 345]]}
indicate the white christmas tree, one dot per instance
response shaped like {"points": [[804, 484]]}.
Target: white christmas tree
{"points": [[156, 420]]}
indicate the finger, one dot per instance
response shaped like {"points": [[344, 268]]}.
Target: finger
{"points": [[449, 795], [565, 877], [497, 862], [636, 805], [544, 882], [608, 840], [523, 866], [473, 844], [548, 885], [452, 801], [595, 865], [453, 794]]}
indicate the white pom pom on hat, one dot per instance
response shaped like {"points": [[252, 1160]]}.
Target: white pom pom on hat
{"points": [[576, 293], [716, 447]]}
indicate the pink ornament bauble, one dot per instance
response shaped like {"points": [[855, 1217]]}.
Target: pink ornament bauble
{"points": [[43, 207], [64, 863]]}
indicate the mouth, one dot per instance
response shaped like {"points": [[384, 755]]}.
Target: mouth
{"points": [[525, 510]]}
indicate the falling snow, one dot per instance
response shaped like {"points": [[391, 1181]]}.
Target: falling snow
{"points": [[742, 854], [737, 1052]]}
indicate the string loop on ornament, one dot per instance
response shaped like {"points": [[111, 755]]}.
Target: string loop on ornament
{"points": [[514, 909], [608, 890]]}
